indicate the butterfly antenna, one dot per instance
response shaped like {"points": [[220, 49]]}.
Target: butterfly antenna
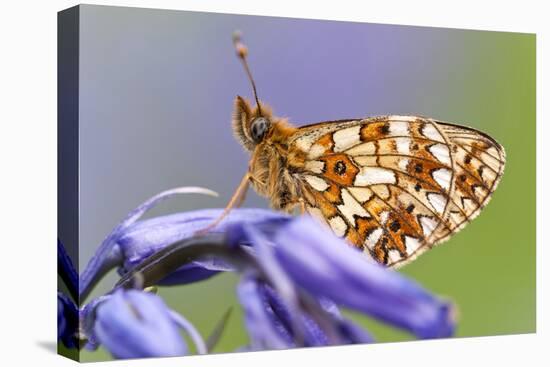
{"points": [[242, 53]]}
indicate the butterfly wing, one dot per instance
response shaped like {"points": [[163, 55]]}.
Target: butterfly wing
{"points": [[396, 185]]}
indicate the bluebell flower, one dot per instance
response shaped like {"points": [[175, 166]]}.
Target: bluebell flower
{"points": [[306, 264], [272, 324], [147, 237], [296, 274], [311, 258], [136, 324], [293, 317], [66, 270], [325, 266], [132, 240], [109, 254], [67, 311], [67, 321]]}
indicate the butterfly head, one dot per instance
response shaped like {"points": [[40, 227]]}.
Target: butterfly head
{"points": [[251, 125]]}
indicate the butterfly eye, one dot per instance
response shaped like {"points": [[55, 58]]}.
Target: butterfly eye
{"points": [[258, 129]]}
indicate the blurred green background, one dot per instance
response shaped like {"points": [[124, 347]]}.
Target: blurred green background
{"points": [[156, 85]]}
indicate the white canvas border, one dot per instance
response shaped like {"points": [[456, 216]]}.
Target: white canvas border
{"points": [[28, 151]]}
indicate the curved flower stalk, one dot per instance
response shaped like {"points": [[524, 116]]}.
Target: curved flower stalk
{"points": [[295, 276]]}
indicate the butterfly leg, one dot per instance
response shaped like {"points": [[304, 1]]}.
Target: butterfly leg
{"points": [[236, 200], [302, 206], [258, 181]]}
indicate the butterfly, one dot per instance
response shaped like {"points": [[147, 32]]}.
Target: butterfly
{"points": [[392, 186]]}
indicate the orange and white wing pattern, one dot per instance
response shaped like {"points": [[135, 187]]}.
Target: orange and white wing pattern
{"points": [[396, 186]]}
